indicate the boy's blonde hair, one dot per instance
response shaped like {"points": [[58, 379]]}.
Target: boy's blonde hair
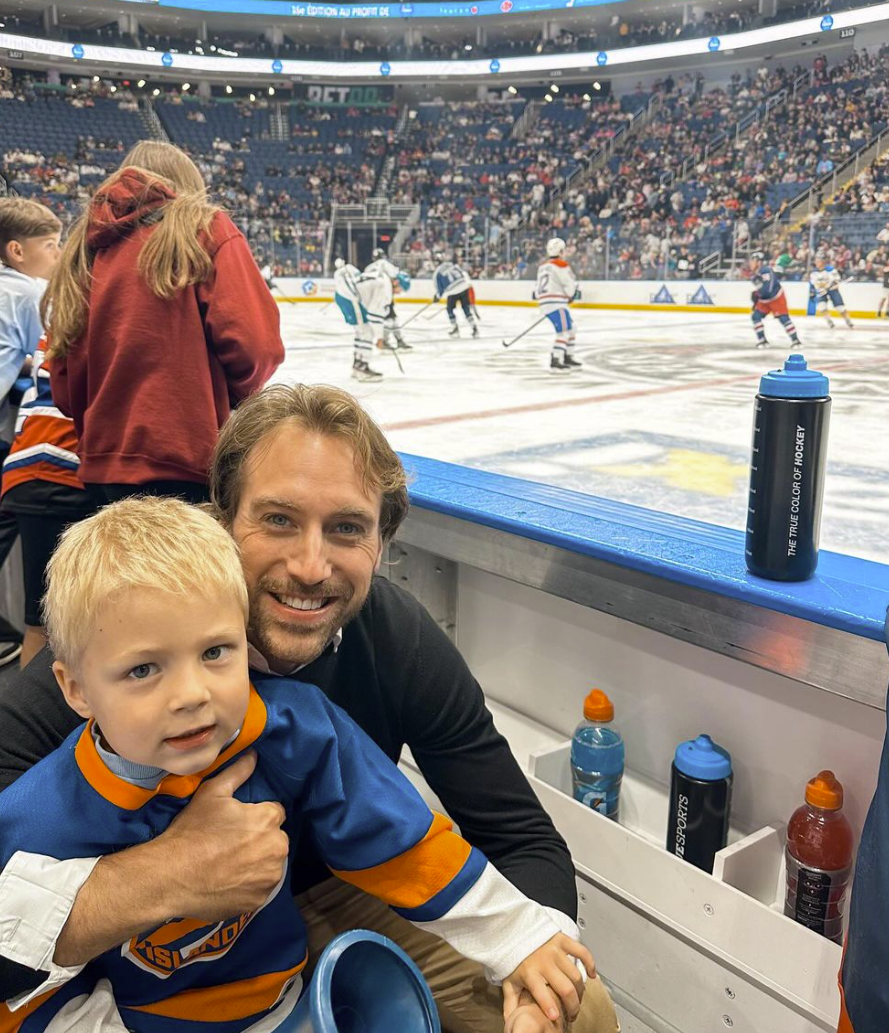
{"points": [[142, 542], [21, 219]]}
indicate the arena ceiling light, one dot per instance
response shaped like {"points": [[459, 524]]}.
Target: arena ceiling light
{"points": [[252, 97], [271, 91], [186, 86], [597, 85], [706, 49], [156, 92], [553, 87], [548, 98], [141, 83], [513, 90], [586, 96], [228, 88]]}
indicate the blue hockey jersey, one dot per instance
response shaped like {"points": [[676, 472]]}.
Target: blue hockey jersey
{"points": [[766, 281], [371, 826]]}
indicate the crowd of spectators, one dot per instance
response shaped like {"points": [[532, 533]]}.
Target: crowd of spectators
{"points": [[492, 181]]}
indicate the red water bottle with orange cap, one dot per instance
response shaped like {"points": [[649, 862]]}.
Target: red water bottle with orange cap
{"points": [[819, 859], [597, 756]]}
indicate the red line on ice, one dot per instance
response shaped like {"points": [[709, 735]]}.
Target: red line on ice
{"points": [[564, 403]]}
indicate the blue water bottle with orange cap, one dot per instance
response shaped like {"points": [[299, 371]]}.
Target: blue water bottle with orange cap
{"points": [[597, 756]]}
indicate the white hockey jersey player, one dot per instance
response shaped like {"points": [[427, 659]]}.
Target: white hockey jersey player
{"points": [[825, 282], [556, 289], [345, 281], [381, 264]]}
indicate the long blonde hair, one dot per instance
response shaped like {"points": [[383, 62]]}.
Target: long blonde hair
{"points": [[173, 256]]}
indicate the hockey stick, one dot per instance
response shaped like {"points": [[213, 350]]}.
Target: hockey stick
{"points": [[435, 314], [417, 313], [537, 322], [397, 356], [274, 287]]}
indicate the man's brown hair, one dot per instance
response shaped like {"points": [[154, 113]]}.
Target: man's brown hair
{"points": [[21, 219], [323, 410]]}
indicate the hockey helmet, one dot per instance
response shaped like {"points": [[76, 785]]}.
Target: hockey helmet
{"points": [[555, 246], [403, 280], [339, 263], [377, 253]]}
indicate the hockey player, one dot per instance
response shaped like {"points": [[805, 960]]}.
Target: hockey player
{"points": [[348, 300], [266, 274], [883, 309], [375, 294], [454, 285], [825, 281], [768, 299], [391, 331], [556, 289]]}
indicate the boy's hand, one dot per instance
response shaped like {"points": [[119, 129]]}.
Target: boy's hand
{"points": [[550, 975]]}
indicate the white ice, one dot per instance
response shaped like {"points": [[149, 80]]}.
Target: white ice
{"points": [[660, 416]]}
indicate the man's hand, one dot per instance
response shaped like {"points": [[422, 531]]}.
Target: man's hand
{"points": [[224, 857], [550, 975], [219, 858], [528, 1018]]}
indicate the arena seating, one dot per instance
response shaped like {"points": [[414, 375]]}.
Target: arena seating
{"points": [[490, 178]]}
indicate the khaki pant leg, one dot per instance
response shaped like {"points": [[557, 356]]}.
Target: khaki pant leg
{"points": [[466, 1001]]}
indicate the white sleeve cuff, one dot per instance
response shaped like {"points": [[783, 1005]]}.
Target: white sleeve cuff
{"points": [[495, 925], [36, 896]]}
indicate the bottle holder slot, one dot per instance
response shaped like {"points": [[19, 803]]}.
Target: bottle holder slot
{"points": [[735, 914]]}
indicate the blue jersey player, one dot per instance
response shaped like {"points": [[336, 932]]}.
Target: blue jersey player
{"points": [[768, 299]]}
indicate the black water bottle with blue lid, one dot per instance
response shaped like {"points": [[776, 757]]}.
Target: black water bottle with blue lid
{"points": [[790, 424]]}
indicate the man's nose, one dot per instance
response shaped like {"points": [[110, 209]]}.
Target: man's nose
{"points": [[308, 561]]}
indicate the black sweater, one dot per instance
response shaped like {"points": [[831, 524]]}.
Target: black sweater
{"points": [[398, 676]]}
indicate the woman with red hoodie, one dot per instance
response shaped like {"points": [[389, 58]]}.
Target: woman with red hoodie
{"points": [[158, 324]]}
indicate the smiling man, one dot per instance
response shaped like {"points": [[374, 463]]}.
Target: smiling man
{"points": [[311, 493]]}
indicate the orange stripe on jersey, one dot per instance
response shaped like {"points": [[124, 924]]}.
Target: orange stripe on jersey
{"points": [[40, 430], [10, 1021], [414, 877], [227, 1002], [129, 797]]}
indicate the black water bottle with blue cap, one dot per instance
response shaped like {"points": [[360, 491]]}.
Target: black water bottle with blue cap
{"points": [[700, 801], [790, 424]]}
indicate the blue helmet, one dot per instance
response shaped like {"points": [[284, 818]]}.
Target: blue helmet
{"points": [[404, 281]]}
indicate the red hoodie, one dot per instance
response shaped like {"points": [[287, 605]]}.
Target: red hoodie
{"points": [[151, 380]]}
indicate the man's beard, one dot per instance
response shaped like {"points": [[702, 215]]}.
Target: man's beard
{"points": [[285, 644]]}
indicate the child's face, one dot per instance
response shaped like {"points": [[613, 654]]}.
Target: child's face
{"points": [[164, 676], [34, 256]]}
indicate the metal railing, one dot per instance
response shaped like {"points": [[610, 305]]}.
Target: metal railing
{"points": [[638, 120], [809, 201], [719, 141], [526, 120], [151, 120]]}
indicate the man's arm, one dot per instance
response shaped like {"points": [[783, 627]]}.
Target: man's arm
{"points": [[469, 765]]}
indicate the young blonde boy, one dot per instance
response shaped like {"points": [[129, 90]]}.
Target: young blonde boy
{"points": [[145, 611]]}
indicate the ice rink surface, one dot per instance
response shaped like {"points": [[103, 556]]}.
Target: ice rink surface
{"points": [[660, 416]]}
